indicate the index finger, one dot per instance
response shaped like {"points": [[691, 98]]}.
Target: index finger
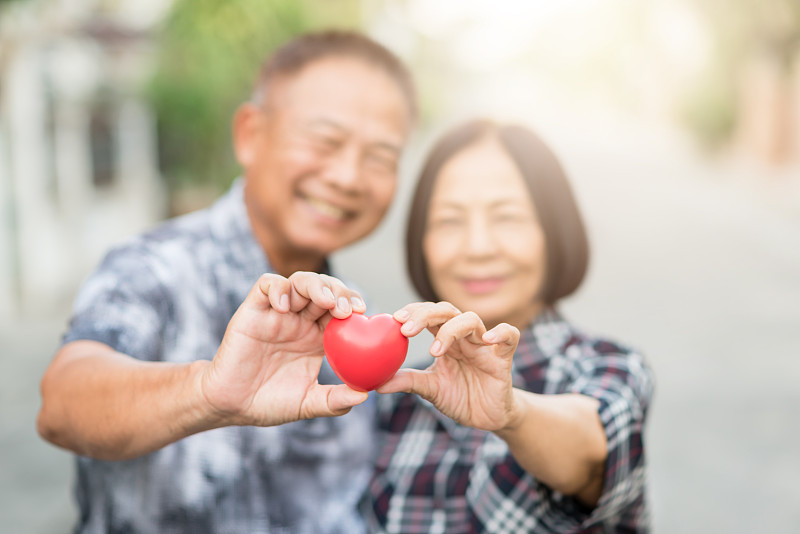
{"points": [[315, 294], [421, 315]]}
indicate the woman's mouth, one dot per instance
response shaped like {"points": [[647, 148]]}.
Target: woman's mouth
{"points": [[481, 286]]}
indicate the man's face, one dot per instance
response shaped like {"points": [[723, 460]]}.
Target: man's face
{"points": [[321, 157]]}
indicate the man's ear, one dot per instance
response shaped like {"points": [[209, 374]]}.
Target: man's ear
{"points": [[246, 133]]}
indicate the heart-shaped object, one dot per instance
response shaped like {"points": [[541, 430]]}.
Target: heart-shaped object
{"points": [[365, 352]]}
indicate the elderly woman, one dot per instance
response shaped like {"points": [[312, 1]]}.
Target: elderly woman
{"points": [[522, 423]]}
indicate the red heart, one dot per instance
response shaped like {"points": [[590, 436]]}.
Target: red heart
{"points": [[365, 352]]}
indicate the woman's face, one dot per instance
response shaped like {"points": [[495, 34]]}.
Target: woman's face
{"points": [[483, 243]]}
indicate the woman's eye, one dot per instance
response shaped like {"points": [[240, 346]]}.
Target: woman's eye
{"points": [[450, 222], [509, 218]]}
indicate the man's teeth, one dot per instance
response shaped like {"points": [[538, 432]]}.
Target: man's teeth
{"points": [[327, 209]]}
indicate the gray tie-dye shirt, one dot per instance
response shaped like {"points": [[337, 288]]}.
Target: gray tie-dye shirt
{"points": [[168, 296]]}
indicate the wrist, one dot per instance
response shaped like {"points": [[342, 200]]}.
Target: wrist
{"points": [[516, 414], [204, 414]]}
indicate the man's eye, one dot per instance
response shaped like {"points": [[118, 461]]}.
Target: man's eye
{"points": [[382, 161], [324, 143]]}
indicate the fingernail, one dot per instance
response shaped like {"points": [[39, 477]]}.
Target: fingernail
{"points": [[284, 302], [344, 304], [357, 302], [436, 347], [328, 293], [408, 327], [401, 315]]}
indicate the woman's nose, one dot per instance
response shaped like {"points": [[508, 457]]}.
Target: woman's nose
{"points": [[480, 239]]}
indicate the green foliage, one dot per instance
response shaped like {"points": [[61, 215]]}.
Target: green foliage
{"points": [[209, 55], [710, 111]]}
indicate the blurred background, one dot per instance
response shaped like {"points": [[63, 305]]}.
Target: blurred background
{"points": [[678, 122]]}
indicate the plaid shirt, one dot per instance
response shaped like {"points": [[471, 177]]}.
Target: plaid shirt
{"points": [[434, 475]]}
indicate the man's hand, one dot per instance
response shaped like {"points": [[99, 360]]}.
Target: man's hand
{"points": [[470, 379], [101, 403], [265, 370]]}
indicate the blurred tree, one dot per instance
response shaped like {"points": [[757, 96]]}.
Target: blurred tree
{"points": [[741, 30], [208, 57]]}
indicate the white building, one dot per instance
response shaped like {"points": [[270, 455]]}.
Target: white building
{"points": [[78, 162]]}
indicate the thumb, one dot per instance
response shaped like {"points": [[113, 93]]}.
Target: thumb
{"points": [[411, 381], [327, 401]]}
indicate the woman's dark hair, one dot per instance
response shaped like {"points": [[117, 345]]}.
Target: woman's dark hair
{"points": [[308, 48], [566, 244]]}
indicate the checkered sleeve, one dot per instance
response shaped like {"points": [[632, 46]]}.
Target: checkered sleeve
{"points": [[437, 476], [505, 498], [623, 385], [121, 304]]}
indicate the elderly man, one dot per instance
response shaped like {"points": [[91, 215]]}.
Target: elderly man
{"points": [[189, 382]]}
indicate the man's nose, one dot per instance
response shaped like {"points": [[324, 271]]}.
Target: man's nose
{"points": [[344, 169]]}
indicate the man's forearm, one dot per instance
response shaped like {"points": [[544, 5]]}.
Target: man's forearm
{"points": [[106, 405]]}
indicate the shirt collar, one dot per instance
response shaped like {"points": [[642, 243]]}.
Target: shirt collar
{"points": [[230, 225], [543, 338]]}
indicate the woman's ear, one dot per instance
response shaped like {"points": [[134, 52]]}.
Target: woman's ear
{"points": [[246, 133]]}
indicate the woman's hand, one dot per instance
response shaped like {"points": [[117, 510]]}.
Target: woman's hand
{"points": [[559, 439], [265, 370], [470, 379]]}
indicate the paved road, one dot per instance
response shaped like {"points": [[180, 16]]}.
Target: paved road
{"points": [[34, 476], [695, 262]]}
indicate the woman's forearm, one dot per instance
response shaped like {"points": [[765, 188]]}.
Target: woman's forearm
{"points": [[100, 403], [560, 440]]}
